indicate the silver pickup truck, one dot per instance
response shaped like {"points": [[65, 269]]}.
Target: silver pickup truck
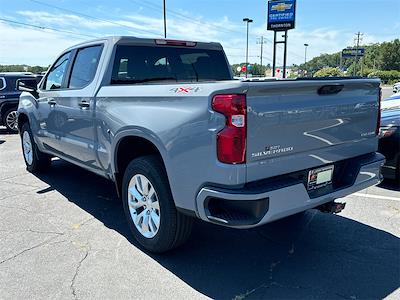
{"points": [[180, 138]]}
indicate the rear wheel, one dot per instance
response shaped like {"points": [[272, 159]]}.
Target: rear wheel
{"points": [[35, 160], [149, 207], [10, 120]]}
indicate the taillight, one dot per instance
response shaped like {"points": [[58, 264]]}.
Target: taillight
{"points": [[231, 141], [378, 121]]}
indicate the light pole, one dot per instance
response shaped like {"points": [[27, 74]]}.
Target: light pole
{"points": [[305, 58], [305, 53], [247, 20]]}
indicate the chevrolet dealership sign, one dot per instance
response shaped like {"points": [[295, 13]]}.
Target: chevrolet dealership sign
{"points": [[281, 15]]}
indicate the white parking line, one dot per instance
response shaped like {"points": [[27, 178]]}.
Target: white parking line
{"points": [[376, 196]]}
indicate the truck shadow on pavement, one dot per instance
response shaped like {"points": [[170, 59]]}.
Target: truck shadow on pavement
{"points": [[312, 255]]}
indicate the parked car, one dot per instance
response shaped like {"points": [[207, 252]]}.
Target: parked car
{"points": [[396, 88], [389, 143], [181, 139], [391, 102], [9, 97]]}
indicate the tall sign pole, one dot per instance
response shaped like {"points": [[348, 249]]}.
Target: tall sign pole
{"points": [[285, 55], [274, 56], [281, 17]]}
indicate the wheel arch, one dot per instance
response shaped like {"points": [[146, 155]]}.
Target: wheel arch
{"points": [[132, 144], [22, 119], [4, 107]]}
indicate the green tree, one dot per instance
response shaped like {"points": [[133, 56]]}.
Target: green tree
{"points": [[378, 57], [329, 72], [390, 55], [256, 69]]}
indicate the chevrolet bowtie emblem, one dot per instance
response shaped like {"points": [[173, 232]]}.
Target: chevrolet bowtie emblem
{"points": [[281, 6]]}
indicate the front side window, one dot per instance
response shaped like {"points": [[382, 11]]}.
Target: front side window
{"points": [[138, 64], [85, 66], [56, 75]]}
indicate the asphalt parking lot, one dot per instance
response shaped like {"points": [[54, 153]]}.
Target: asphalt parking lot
{"points": [[63, 235]]}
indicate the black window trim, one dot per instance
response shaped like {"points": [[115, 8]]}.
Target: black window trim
{"points": [[73, 60], [108, 74], [43, 85]]}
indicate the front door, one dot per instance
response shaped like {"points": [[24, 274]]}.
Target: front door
{"points": [[71, 117], [49, 124]]}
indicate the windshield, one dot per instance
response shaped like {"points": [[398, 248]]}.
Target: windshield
{"points": [[140, 64]]}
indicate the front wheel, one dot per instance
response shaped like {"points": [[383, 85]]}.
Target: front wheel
{"points": [[35, 160], [10, 120], [149, 207]]}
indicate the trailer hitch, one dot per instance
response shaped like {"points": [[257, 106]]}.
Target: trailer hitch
{"points": [[332, 207]]}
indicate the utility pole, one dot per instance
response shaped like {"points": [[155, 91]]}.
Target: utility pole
{"points": [[165, 21], [261, 41], [247, 20], [358, 40]]}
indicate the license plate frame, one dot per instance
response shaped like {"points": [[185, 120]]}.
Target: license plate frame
{"points": [[320, 177]]}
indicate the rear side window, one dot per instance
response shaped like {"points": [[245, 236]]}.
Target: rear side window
{"points": [[56, 75], [2, 83], [136, 64], [85, 66]]}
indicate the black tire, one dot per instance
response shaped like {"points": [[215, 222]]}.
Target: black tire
{"points": [[11, 113], [174, 228], [40, 161], [397, 179]]}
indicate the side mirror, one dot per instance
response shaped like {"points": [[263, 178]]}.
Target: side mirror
{"points": [[28, 85]]}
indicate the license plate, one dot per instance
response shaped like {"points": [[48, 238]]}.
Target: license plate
{"points": [[320, 177]]}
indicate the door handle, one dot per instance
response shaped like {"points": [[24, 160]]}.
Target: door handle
{"points": [[84, 104], [51, 102]]}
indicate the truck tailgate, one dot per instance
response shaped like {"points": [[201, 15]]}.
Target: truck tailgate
{"points": [[294, 125]]}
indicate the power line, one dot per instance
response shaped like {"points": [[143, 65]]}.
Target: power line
{"points": [[45, 27], [183, 17], [152, 6], [92, 17]]}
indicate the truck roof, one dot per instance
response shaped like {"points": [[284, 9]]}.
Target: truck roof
{"points": [[16, 73], [145, 42]]}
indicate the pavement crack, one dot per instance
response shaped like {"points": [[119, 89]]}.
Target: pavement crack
{"points": [[45, 232], [14, 207], [79, 225], [72, 286], [28, 249]]}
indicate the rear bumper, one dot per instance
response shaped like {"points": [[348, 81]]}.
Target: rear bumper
{"points": [[389, 171], [265, 204]]}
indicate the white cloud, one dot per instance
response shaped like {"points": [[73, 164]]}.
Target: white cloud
{"points": [[30, 46], [61, 20], [21, 45]]}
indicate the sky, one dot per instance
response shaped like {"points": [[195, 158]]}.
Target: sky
{"points": [[326, 25]]}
